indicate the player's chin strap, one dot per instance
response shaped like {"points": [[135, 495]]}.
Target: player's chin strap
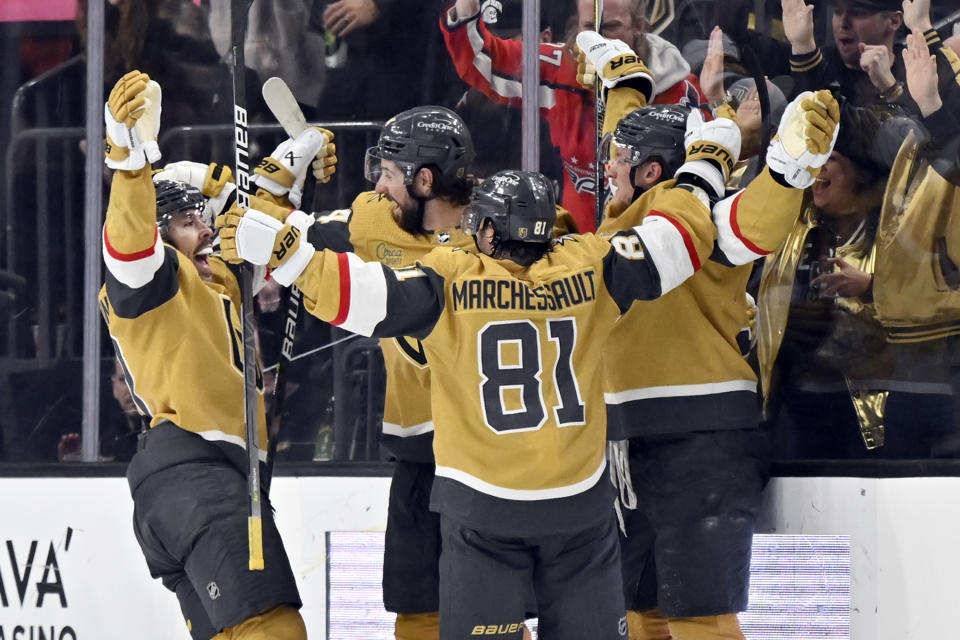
{"points": [[619, 460]]}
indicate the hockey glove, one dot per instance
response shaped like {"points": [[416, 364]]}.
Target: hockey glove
{"points": [[805, 138], [297, 218], [261, 239], [712, 150], [148, 126], [324, 165], [214, 181], [284, 171], [615, 62], [586, 72], [133, 99]]}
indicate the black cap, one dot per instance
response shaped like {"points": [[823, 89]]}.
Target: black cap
{"points": [[504, 18], [873, 5]]}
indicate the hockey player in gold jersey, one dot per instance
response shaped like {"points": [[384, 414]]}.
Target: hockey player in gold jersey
{"points": [[510, 331], [419, 166], [688, 451], [420, 169], [171, 308]]}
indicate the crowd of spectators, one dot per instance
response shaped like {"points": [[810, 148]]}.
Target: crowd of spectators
{"points": [[859, 311]]}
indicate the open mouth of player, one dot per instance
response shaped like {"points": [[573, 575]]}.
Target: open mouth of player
{"points": [[201, 257]]}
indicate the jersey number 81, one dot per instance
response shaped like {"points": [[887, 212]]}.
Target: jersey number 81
{"points": [[523, 375]]}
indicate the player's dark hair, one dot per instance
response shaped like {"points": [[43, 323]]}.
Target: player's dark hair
{"points": [[455, 189], [523, 253]]}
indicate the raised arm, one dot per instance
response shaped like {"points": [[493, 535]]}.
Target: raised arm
{"points": [[132, 248], [753, 222], [492, 65], [941, 123], [672, 243], [363, 297]]}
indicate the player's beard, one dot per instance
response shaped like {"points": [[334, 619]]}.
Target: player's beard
{"points": [[410, 216]]}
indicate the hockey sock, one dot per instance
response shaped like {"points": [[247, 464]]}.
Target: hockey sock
{"points": [[649, 625], [723, 627], [279, 623], [417, 626]]}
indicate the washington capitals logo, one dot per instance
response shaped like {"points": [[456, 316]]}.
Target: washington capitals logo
{"points": [[582, 183]]}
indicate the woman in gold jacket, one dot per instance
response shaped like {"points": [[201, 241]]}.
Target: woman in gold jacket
{"points": [[901, 392]]}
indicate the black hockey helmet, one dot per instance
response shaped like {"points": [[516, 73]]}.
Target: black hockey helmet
{"points": [[422, 136], [175, 197], [520, 204], [653, 133]]}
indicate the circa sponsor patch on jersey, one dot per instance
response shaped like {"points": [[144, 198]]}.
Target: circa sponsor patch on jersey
{"points": [[390, 256]]}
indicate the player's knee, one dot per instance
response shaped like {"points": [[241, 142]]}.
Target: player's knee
{"points": [[649, 625], [417, 626], [280, 623], [722, 627]]}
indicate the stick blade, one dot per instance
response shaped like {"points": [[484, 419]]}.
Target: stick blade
{"points": [[283, 105]]}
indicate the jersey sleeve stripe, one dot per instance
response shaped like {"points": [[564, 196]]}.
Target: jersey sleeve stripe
{"points": [[670, 247], [133, 269], [129, 257], [502, 85], [344, 263], [363, 295], [737, 248]]}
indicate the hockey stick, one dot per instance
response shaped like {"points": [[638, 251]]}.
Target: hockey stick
{"points": [[285, 109], [238, 23], [283, 105], [598, 169]]}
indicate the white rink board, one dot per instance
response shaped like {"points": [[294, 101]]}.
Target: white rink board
{"points": [[902, 539]]}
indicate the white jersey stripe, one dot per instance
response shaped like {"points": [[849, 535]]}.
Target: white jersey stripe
{"points": [[668, 251], [680, 391], [737, 249], [502, 86], [214, 435], [522, 494], [392, 429], [367, 299], [137, 272]]}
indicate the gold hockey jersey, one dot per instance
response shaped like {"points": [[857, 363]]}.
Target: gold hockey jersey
{"points": [[177, 336], [369, 230], [515, 381], [675, 364]]}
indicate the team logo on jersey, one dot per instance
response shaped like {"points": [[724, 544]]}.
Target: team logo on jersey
{"points": [[582, 183], [213, 590], [443, 237]]}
